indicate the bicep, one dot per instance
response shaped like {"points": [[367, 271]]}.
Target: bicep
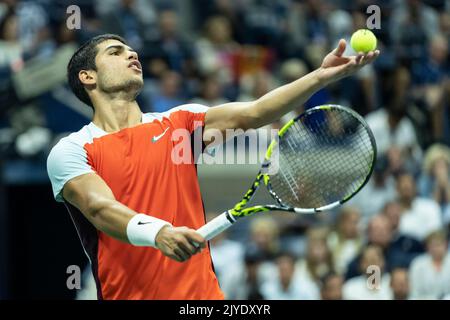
{"points": [[87, 192], [234, 115]]}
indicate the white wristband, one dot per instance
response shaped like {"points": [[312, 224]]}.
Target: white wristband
{"points": [[142, 229]]}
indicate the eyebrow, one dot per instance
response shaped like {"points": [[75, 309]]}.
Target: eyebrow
{"points": [[119, 47]]}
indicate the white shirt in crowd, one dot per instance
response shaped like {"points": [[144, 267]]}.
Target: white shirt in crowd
{"points": [[421, 219], [376, 196], [427, 282], [403, 136], [358, 288], [226, 254], [344, 251], [299, 289]]}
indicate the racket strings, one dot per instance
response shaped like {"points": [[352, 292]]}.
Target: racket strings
{"points": [[323, 158]]}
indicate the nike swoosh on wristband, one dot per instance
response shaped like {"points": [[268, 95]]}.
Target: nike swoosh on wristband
{"points": [[140, 222], [156, 138]]}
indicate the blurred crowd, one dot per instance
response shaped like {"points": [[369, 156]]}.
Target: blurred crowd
{"points": [[214, 51]]}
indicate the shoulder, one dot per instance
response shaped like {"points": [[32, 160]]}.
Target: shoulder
{"points": [[420, 261], [73, 142], [424, 204], [354, 282], [68, 159], [377, 117], [189, 107], [187, 116]]}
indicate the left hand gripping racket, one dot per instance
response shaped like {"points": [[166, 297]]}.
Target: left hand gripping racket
{"points": [[318, 161]]}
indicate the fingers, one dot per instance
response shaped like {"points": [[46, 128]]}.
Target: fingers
{"points": [[339, 51], [181, 254], [195, 237], [188, 247], [184, 244], [363, 59], [359, 57]]}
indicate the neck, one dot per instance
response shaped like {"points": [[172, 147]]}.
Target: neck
{"points": [[437, 261], [406, 203], [116, 112]]}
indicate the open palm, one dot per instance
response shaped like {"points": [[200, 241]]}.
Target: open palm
{"points": [[336, 66]]}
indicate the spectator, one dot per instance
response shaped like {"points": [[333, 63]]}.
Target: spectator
{"points": [[393, 130], [398, 249], [405, 248], [358, 288], [400, 284], [286, 285], [254, 86], [244, 281], [128, 20], [264, 22], [331, 288], [428, 77], [34, 34], [264, 234], [217, 49], [264, 239], [211, 92], [168, 95], [169, 46], [412, 23], [10, 48], [435, 179], [318, 260], [379, 190], [420, 216], [346, 240], [430, 272]]}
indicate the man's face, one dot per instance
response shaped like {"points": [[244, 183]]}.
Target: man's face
{"points": [[406, 187], [332, 289], [118, 68], [393, 212], [285, 269], [350, 224], [380, 231], [437, 248], [372, 256], [400, 284]]}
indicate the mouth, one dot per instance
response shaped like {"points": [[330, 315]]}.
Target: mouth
{"points": [[135, 65]]}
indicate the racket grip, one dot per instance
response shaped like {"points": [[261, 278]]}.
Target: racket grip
{"points": [[216, 225]]}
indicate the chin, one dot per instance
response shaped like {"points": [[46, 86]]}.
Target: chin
{"points": [[134, 84]]}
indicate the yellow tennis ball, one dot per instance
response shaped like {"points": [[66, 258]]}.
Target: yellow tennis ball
{"points": [[363, 40]]}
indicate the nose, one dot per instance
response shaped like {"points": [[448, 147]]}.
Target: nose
{"points": [[133, 55]]}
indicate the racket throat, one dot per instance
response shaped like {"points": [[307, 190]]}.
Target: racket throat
{"points": [[230, 217]]}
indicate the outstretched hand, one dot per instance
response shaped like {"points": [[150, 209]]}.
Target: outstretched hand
{"points": [[336, 66]]}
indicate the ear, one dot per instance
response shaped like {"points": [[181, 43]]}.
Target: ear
{"points": [[88, 77]]}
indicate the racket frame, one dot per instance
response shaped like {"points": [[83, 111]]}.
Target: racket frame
{"points": [[229, 217]]}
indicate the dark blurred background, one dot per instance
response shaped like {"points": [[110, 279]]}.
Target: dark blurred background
{"points": [[214, 51]]}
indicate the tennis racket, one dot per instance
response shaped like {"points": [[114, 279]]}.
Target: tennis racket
{"points": [[318, 161]]}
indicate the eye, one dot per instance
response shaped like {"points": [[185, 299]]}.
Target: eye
{"points": [[114, 53]]}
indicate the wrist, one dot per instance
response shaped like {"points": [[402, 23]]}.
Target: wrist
{"points": [[143, 229], [160, 234], [321, 78]]}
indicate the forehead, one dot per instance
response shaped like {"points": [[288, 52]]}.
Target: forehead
{"points": [[104, 45]]}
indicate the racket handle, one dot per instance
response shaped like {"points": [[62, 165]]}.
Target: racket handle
{"points": [[216, 225]]}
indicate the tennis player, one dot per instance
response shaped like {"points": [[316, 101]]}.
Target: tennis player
{"points": [[135, 210]]}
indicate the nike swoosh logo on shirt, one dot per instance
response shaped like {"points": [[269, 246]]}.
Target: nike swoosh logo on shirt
{"points": [[156, 138]]}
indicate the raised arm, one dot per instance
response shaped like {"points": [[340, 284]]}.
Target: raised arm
{"points": [[276, 103], [92, 196]]}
